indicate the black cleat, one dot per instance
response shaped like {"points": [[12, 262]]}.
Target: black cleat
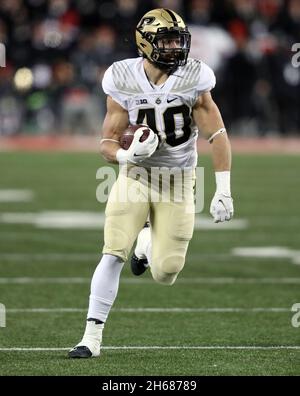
{"points": [[80, 352], [138, 266]]}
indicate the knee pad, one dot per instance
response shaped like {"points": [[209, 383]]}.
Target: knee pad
{"points": [[172, 264], [163, 278], [167, 270]]}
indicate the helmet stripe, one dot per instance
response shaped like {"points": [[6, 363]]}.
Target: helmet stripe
{"points": [[172, 16]]}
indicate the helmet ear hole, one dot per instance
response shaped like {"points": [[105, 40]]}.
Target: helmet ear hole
{"points": [[155, 56], [150, 37]]}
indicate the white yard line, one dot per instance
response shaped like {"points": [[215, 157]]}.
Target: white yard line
{"points": [[268, 252], [155, 310], [239, 253], [25, 257], [95, 220], [14, 195], [95, 257], [140, 281], [157, 347]]}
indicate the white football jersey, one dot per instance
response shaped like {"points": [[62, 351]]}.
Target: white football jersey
{"points": [[165, 108]]}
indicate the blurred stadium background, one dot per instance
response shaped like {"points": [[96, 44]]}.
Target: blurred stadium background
{"points": [[234, 297], [57, 51]]}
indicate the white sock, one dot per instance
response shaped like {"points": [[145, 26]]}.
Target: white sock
{"points": [[104, 287], [144, 246], [148, 251], [92, 337]]}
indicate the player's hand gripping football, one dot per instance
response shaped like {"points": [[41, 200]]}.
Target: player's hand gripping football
{"points": [[139, 150], [221, 207]]}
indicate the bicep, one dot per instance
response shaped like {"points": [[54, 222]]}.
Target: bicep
{"points": [[206, 115], [116, 120]]}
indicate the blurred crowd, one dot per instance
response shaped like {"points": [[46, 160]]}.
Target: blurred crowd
{"points": [[58, 50]]}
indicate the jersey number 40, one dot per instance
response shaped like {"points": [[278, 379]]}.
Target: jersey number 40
{"points": [[173, 135]]}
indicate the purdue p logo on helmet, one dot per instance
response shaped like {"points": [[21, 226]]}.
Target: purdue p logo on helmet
{"points": [[163, 38]]}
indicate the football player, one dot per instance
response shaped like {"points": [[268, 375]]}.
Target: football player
{"points": [[169, 92]]}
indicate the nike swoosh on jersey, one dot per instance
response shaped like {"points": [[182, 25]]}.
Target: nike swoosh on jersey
{"points": [[171, 100]]}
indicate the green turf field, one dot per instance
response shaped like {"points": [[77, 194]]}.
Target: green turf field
{"points": [[226, 315]]}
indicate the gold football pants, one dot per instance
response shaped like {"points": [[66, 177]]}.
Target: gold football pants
{"points": [[134, 199]]}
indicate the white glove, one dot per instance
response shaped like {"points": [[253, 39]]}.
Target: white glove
{"points": [[138, 151], [221, 207]]}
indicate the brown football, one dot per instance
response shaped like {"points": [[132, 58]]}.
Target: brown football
{"points": [[127, 136]]}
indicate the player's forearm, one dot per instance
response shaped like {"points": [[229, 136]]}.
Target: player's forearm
{"points": [[108, 149], [221, 153], [115, 121]]}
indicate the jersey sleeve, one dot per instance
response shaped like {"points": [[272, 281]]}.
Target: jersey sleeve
{"points": [[110, 89], [207, 79]]}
